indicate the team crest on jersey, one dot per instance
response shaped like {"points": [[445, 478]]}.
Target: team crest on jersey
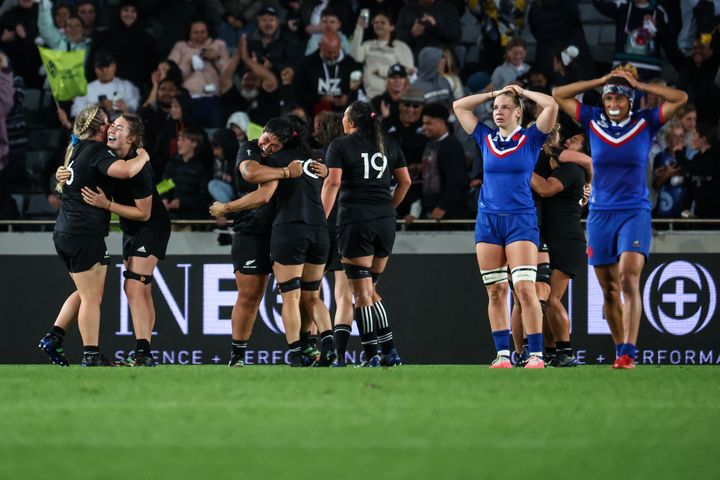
{"points": [[603, 122]]}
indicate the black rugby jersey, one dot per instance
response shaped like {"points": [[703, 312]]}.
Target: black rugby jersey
{"points": [[89, 164], [561, 213], [365, 191], [298, 198], [257, 221], [141, 186]]}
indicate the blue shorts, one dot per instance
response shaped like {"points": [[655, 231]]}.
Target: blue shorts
{"points": [[611, 233], [504, 229]]}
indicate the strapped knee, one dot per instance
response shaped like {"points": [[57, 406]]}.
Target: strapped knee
{"points": [[290, 285], [544, 272], [524, 273], [497, 275], [356, 272], [310, 286], [146, 279]]}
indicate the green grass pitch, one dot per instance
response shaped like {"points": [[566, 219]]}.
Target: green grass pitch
{"points": [[411, 422]]}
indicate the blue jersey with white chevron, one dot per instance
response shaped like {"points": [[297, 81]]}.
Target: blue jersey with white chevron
{"points": [[508, 163], [619, 156]]}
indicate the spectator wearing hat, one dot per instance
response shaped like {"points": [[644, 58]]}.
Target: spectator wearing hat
{"points": [[133, 48], [330, 22], [270, 42], [406, 129], [428, 23], [431, 67], [110, 91], [323, 81], [379, 54], [256, 93], [396, 84], [201, 58], [444, 179]]}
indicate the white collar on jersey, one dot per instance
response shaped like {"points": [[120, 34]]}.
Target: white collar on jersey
{"points": [[507, 139], [623, 122]]}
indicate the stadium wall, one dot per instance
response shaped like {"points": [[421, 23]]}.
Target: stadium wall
{"points": [[433, 292]]}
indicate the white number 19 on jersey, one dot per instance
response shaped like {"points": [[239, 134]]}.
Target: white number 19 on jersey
{"points": [[373, 162]]}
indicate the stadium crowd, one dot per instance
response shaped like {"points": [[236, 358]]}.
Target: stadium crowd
{"points": [[201, 74]]}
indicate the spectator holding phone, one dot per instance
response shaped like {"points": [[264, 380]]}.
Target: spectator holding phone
{"points": [[111, 92]]}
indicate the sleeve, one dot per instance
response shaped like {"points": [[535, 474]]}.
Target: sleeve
{"points": [[448, 26], [568, 173], [79, 103], [102, 158], [583, 114], [479, 134], [221, 47], [141, 185], [176, 56], [345, 44], [536, 137], [132, 96], [52, 36], [654, 118], [357, 51], [400, 161], [249, 151], [312, 45], [404, 54], [658, 160], [334, 157]]}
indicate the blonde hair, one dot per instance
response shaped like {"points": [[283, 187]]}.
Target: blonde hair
{"points": [[87, 125]]}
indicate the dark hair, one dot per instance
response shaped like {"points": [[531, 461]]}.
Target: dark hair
{"points": [[391, 21], [185, 102], [208, 25], [330, 12], [137, 128], [280, 128], [60, 5], [708, 131], [368, 123], [194, 134], [299, 134], [226, 140], [618, 81], [329, 129], [436, 110], [170, 80], [173, 72]]}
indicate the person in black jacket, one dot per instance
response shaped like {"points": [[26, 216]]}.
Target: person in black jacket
{"points": [[271, 42], [444, 179], [428, 23], [19, 29]]}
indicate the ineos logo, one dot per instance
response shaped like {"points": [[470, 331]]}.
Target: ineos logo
{"points": [[271, 305], [684, 298]]}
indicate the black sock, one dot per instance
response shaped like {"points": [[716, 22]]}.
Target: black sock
{"points": [[550, 352], [295, 351], [57, 332], [91, 350], [384, 333], [238, 348], [564, 348], [364, 319], [526, 345], [304, 339], [327, 341], [142, 345], [342, 335], [314, 339]]}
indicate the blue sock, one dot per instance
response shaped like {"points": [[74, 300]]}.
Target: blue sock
{"points": [[535, 343], [629, 350], [618, 349], [502, 341]]}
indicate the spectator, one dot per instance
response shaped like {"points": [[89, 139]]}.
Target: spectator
{"points": [[390, 7], [165, 147], [668, 177], [641, 28], [166, 70], [238, 123], [233, 27], [698, 78], [502, 21], [188, 199], [133, 48], [435, 87], [396, 85], [513, 67], [380, 54], [155, 113], [71, 38], [444, 179], [19, 27], [88, 15], [406, 129], [6, 104], [311, 11], [705, 173], [330, 22], [60, 13], [556, 24], [451, 74], [686, 117], [201, 59], [224, 147], [258, 85], [112, 92], [324, 78], [17, 133], [428, 23], [567, 68], [270, 42], [169, 19]]}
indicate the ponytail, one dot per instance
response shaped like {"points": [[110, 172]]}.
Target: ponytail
{"points": [[368, 123]]}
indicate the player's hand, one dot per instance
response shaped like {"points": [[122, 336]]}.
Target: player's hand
{"points": [[627, 76], [141, 152], [587, 191], [516, 89], [295, 169], [62, 174], [218, 209], [409, 219], [96, 199], [319, 169], [437, 213], [384, 109]]}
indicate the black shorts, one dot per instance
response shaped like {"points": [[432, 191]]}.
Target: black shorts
{"points": [[81, 252], [298, 243], [146, 242], [333, 261], [251, 254], [568, 256], [375, 238], [543, 246]]}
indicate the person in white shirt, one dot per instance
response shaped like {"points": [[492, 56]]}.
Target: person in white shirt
{"points": [[111, 92]]}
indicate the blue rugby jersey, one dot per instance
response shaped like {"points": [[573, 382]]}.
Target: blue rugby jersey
{"points": [[508, 164], [619, 155]]}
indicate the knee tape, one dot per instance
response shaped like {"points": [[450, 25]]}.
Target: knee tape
{"points": [[543, 273], [310, 286], [355, 272], [290, 285], [524, 273], [491, 277], [146, 279]]}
